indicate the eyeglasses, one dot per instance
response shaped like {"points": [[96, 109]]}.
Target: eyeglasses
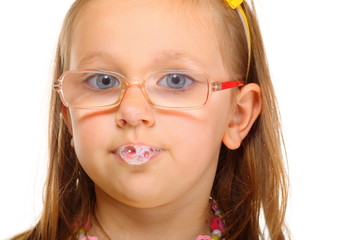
{"points": [[170, 89]]}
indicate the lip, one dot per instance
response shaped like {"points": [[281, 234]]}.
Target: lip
{"points": [[137, 154]]}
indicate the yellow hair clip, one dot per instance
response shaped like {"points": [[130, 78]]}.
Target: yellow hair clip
{"points": [[235, 4]]}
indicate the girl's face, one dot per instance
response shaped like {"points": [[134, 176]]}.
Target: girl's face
{"points": [[136, 39]]}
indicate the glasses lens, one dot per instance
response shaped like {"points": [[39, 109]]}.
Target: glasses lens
{"points": [[170, 89], [178, 89], [90, 88]]}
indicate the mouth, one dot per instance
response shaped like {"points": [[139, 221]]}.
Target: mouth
{"points": [[137, 154]]}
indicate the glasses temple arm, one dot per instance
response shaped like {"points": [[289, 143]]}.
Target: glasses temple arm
{"points": [[218, 86]]}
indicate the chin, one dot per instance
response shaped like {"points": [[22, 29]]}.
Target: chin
{"points": [[144, 195], [144, 200]]}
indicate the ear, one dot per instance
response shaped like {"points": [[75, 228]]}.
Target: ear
{"points": [[66, 116], [246, 110]]}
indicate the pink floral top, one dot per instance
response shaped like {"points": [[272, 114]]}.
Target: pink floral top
{"points": [[200, 237], [82, 236], [88, 238], [217, 227]]}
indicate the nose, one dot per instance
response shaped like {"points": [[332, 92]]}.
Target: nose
{"points": [[134, 109]]}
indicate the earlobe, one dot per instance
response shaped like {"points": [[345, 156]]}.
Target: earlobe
{"points": [[66, 116], [246, 110]]}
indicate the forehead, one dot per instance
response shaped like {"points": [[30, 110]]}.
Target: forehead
{"points": [[136, 34]]}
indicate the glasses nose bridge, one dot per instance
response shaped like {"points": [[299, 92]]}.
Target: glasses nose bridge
{"points": [[134, 82]]}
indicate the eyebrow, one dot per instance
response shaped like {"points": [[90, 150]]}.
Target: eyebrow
{"points": [[164, 56], [180, 56], [89, 58]]}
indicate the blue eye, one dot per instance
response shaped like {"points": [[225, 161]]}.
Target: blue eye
{"points": [[176, 81], [103, 81]]}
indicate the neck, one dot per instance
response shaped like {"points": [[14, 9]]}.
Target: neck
{"points": [[185, 218]]}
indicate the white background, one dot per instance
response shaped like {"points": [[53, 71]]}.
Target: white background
{"points": [[313, 51]]}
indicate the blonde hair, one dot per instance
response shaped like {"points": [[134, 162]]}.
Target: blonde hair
{"points": [[250, 181]]}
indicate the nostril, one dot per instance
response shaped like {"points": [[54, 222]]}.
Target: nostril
{"points": [[121, 122], [134, 115]]}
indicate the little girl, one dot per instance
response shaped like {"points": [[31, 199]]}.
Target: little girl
{"points": [[163, 125]]}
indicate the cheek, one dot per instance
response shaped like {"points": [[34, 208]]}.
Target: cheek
{"points": [[91, 132], [198, 132]]}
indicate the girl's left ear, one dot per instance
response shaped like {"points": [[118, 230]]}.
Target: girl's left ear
{"points": [[246, 110]]}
